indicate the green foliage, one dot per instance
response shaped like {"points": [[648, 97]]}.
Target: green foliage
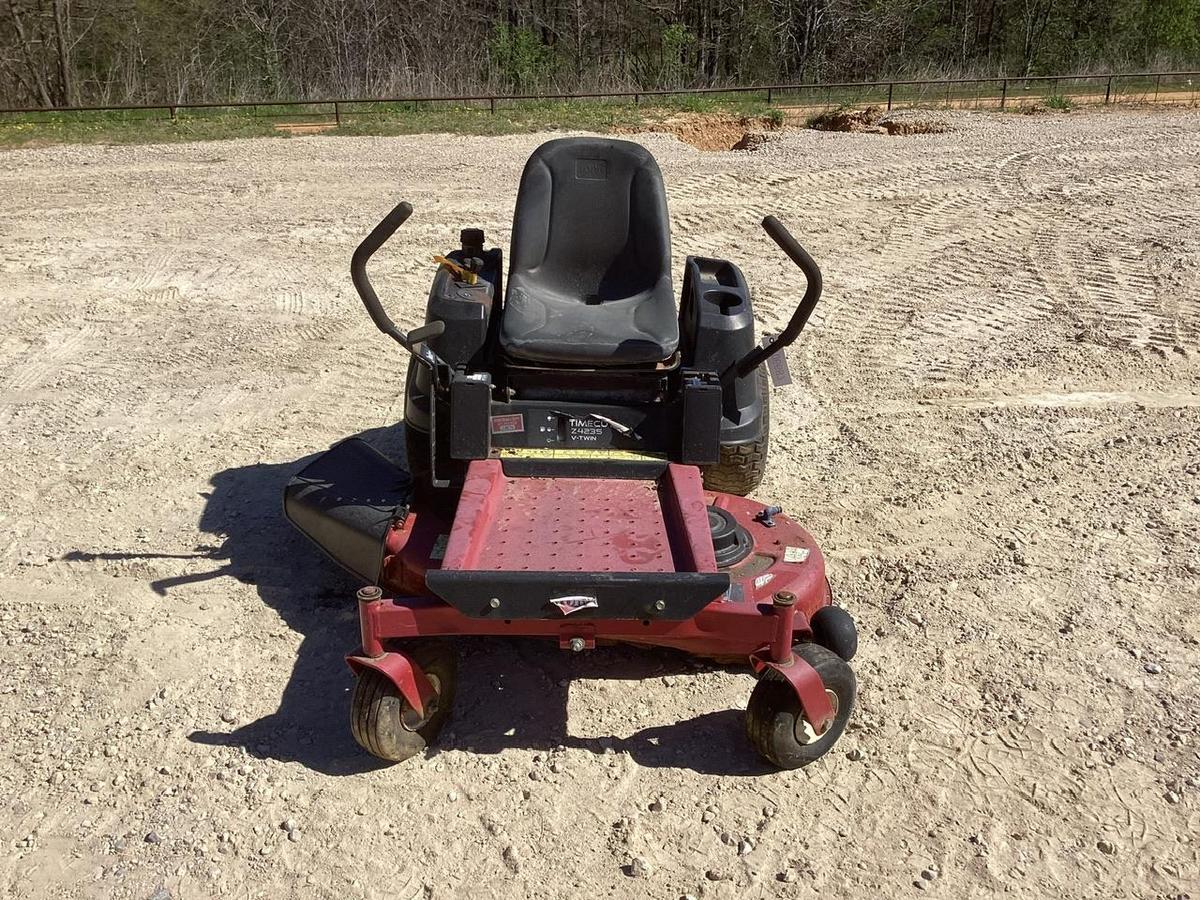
{"points": [[1173, 26], [518, 58], [676, 43], [1059, 101]]}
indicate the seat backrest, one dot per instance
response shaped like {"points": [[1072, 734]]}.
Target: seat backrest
{"points": [[591, 221]]}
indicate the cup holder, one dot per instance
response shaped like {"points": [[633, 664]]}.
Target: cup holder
{"points": [[727, 301]]}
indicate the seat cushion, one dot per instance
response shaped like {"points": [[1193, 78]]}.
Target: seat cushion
{"points": [[590, 279]]}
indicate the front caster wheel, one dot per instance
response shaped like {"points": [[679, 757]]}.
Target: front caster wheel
{"points": [[775, 721], [383, 722], [833, 629]]}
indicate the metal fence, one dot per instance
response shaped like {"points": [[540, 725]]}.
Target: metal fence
{"points": [[994, 92]]}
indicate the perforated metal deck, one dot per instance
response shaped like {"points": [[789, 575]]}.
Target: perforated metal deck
{"points": [[579, 524]]}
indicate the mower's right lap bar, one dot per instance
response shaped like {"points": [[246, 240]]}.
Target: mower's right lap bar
{"points": [[812, 293]]}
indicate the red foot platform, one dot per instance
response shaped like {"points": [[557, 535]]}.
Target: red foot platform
{"points": [[580, 524]]}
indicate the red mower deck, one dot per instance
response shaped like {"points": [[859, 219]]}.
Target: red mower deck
{"points": [[766, 608]]}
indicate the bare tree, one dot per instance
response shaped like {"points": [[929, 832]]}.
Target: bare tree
{"points": [[58, 52]]}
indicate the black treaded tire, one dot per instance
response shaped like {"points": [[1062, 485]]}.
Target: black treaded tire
{"points": [[382, 721], [742, 466], [416, 440], [773, 714], [833, 628], [416, 449]]}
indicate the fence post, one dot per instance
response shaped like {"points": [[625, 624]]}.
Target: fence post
{"points": [[637, 99], [1003, 92], [891, 85], [768, 95], [172, 111], [1108, 90], [492, 103], [337, 114], [1157, 83]]}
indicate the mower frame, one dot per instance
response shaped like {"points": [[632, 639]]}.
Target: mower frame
{"points": [[577, 510], [765, 609]]}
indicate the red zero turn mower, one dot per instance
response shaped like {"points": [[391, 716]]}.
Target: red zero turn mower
{"points": [[578, 457]]}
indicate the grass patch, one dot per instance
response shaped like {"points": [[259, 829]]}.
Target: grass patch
{"points": [[512, 118], [1060, 101], [127, 127], [156, 126]]}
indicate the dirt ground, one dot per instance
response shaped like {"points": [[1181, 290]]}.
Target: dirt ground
{"points": [[994, 433]]}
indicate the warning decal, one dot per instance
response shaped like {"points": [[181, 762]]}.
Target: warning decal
{"points": [[508, 424], [575, 453]]}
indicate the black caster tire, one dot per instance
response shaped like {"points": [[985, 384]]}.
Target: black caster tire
{"points": [[775, 722], [385, 725], [834, 630], [741, 467]]}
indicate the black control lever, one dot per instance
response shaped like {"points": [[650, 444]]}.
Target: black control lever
{"points": [[413, 342], [812, 293]]}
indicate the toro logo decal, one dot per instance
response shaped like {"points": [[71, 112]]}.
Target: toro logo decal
{"points": [[574, 603]]}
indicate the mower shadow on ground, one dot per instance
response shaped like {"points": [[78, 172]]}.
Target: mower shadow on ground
{"points": [[511, 693], [515, 693], [311, 594]]}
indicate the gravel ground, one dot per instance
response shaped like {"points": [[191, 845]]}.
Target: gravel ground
{"points": [[994, 433]]}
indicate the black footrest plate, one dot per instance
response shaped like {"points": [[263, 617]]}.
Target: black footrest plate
{"points": [[579, 595]]}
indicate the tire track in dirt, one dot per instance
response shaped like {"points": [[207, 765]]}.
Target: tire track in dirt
{"points": [[1005, 510]]}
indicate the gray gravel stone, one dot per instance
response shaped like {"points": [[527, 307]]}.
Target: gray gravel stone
{"points": [[512, 859], [638, 868]]}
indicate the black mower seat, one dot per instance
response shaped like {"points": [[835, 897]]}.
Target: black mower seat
{"points": [[590, 279]]}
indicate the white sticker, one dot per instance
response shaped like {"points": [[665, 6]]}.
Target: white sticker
{"points": [[795, 554], [763, 580], [573, 604], [439, 547]]}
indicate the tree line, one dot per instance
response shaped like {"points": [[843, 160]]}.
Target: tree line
{"points": [[62, 52]]}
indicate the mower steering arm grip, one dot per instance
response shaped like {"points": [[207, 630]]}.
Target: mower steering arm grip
{"points": [[812, 293], [414, 340]]}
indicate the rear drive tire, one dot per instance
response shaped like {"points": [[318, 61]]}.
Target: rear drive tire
{"points": [[382, 721], [416, 440], [775, 720], [416, 448], [742, 466]]}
